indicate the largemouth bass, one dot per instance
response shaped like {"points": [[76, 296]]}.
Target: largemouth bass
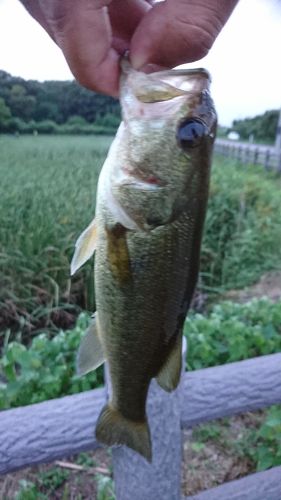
{"points": [[151, 203]]}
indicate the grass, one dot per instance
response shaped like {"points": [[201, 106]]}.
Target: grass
{"points": [[48, 187], [242, 237], [47, 197]]}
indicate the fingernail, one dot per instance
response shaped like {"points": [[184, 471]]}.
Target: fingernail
{"points": [[138, 61]]}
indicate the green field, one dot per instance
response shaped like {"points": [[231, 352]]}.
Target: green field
{"points": [[47, 197]]}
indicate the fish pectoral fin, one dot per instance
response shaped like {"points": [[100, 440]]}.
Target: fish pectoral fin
{"points": [[90, 353], [84, 247], [114, 429], [169, 375]]}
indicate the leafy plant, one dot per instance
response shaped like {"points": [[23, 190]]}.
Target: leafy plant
{"points": [[53, 478], [233, 332], [45, 370], [269, 440]]}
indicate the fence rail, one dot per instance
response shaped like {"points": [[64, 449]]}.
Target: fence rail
{"points": [[267, 156], [260, 486], [61, 427]]}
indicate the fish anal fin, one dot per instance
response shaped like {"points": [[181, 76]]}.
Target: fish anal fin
{"points": [[114, 429], [170, 373], [84, 247], [90, 353]]}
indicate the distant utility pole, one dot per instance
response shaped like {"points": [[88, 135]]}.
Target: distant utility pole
{"points": [[278, 143]]}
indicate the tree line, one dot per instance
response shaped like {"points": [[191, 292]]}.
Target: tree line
{"points": [[29, 106], [260, 128]]}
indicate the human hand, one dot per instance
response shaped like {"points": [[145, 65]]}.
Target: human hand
{"points": [[94, 34], [175, 32]]}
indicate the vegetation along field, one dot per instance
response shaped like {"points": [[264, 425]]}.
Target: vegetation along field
{"points": [[47, 197]]}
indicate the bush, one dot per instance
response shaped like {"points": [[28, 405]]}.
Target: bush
{"points": [[46, 127], [16, 125], [77, 120], [108, 121]]}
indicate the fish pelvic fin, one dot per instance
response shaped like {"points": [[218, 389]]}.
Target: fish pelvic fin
{"points": [[90, 353], [114, 429], [84, 247], [169, 376]]}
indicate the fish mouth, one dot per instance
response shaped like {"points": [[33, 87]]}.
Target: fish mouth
{"points": [[163, 85]]}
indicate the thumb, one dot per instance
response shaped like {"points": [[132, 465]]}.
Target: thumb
{"points": [[178, 31]]}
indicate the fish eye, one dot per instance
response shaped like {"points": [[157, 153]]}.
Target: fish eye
{"points": [[190, 133]]}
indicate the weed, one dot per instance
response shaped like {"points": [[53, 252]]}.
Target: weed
{"points": [[85, 459], [28, 491], [53, 479], [105, 488]]}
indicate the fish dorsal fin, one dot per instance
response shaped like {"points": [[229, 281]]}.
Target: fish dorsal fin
{"points": [[90, 353], [169, 375], [84, 247]]}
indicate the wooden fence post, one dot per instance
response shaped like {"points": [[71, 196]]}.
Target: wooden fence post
{"points": [[239, 153], [278, 144], [256, 155], [134, 477], [246, 154], [266, 160]]}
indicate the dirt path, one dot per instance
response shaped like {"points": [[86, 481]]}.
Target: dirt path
{"points": [[268, 286]]}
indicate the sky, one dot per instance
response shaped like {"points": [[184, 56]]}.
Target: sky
{"points": [[244, 62]]}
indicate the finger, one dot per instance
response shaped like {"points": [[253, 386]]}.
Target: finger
{"points": [[125, 15], [178, 31], [123, 26], [83, 32]]}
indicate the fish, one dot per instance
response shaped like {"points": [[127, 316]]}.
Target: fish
{"points": [[151, 203]]}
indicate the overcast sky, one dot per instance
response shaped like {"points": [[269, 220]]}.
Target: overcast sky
{"points": [[245, 61]]}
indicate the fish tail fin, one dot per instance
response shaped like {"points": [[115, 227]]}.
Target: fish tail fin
{"points": [[114, 429]]}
